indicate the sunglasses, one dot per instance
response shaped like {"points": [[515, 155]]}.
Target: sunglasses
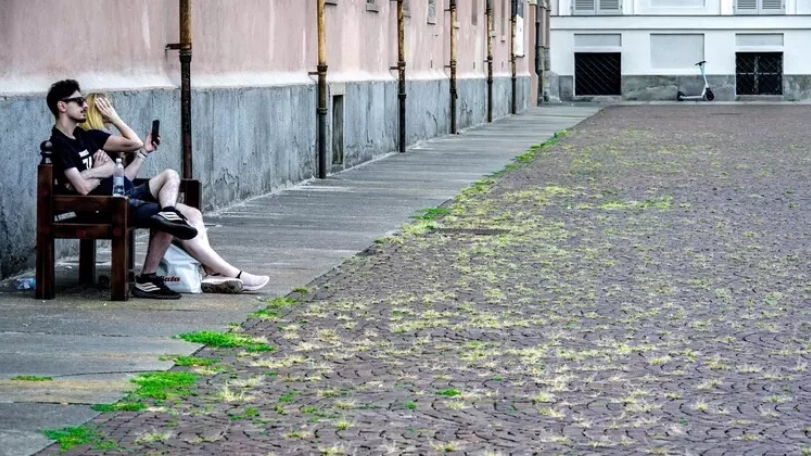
{"points": [[79, 100]]}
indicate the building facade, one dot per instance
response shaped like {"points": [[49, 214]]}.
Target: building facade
{"points": [[647, 49], [254, 98]]}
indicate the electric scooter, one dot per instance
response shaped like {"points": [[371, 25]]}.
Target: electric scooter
{"points": [[706, 94]]}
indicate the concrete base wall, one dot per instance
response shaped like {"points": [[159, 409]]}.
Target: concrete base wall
{"points": [[246, 141], [665, 88], [797, 87]]}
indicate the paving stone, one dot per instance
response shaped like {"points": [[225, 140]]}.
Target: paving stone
{"points": [[640, 287]]}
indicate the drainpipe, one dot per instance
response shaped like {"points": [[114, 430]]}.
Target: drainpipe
{"points": [[401, 67], [322, 93], [546, 42], [489, 13], [539, 10], [513, 12], [453, 65], [185, 85]]}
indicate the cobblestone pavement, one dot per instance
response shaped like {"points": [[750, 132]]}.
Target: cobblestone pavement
{"points": [[640, 288]]}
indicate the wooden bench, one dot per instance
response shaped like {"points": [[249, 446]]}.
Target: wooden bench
{"points": [[96, 217]]}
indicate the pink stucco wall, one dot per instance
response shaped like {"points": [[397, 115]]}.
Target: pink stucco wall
{"points": [[114, 44]]}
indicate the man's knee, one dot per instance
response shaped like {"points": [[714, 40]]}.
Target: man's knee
{"points": [[170, 175], [166, 177]]}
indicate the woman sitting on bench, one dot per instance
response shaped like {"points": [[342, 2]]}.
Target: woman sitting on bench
{"points": [[221, 276]]}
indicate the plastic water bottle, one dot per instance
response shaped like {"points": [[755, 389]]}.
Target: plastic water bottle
{"points": [[118, 178], [25, 283]]}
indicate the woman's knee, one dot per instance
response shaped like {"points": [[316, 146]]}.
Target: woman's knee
{"points": [[194, 216]]}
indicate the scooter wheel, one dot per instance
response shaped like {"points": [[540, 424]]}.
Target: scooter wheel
{"points": [[710, 95], [680, 96]]}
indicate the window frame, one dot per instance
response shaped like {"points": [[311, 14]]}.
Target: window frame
{"points": [[760, 10], [597, 9]]}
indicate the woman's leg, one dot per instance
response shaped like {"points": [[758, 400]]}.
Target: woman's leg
{"points": [[200, 248], [212, 262]]}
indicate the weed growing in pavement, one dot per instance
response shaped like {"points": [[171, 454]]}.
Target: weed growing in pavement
{"points": [[31, 378], [70, 437], [227, 340]]}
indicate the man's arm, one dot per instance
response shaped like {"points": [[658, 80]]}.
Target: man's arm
{"points": [[83, 185]]}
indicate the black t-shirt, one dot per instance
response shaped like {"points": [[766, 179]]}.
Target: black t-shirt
{"points": [[77, 152]]}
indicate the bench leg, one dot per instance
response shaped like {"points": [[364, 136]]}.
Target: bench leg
{"points": [[131, 256], [45, 288], [120, 272], [87, 261]]}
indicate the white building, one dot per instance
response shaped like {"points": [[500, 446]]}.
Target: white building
{"points": [[647, 49]]}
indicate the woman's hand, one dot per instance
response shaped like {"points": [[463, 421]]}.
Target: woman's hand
{"points": [[108, 113], [151, 144]]}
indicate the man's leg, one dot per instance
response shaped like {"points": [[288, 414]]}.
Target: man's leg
{"points": [[165, 187], [148, 284], [164, 190], [159, 243]]}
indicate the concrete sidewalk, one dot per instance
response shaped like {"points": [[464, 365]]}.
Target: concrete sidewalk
{"points": [[91, 347]]}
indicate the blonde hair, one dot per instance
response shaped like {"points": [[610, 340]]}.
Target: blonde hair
{"points": [[94, 121]]}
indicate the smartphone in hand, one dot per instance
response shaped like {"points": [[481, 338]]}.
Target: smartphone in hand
{"points": [[156, 133]]}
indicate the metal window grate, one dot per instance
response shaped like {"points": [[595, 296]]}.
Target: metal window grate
{"points": [[759, 73], [597, 73]]}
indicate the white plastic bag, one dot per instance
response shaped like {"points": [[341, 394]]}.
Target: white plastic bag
{"points": [[180, 271]]}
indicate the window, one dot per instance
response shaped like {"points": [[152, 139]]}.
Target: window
{"points": [[676, 51], [677, 3], [759, 73], [760, 6], [592, 7], [597, 73], [371, 5], [432, 11], [474, 12]]}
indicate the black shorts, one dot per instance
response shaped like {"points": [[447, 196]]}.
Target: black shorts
{"points": [[143, 205]]}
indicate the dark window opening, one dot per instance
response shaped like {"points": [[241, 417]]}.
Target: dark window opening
{"points": [[759, 73], [597, 73]]}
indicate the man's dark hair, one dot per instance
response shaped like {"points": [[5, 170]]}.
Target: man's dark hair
{"points": [[59, 91]]}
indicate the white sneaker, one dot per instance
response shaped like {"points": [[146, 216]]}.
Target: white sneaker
{"points": [[252, 282], [221, 284]]}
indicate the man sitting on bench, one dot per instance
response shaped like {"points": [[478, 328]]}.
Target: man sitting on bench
{"points": [[76, 170]]}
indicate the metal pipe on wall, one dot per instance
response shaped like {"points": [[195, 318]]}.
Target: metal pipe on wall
{"points": [[489, 14], [539, 11], [453, 64], [401, 67], [546, 41], [322, 92], [185, 85], [514, 78]]}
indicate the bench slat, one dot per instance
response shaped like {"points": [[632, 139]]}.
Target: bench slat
{"points": [[79, 203], [81, 231]]}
